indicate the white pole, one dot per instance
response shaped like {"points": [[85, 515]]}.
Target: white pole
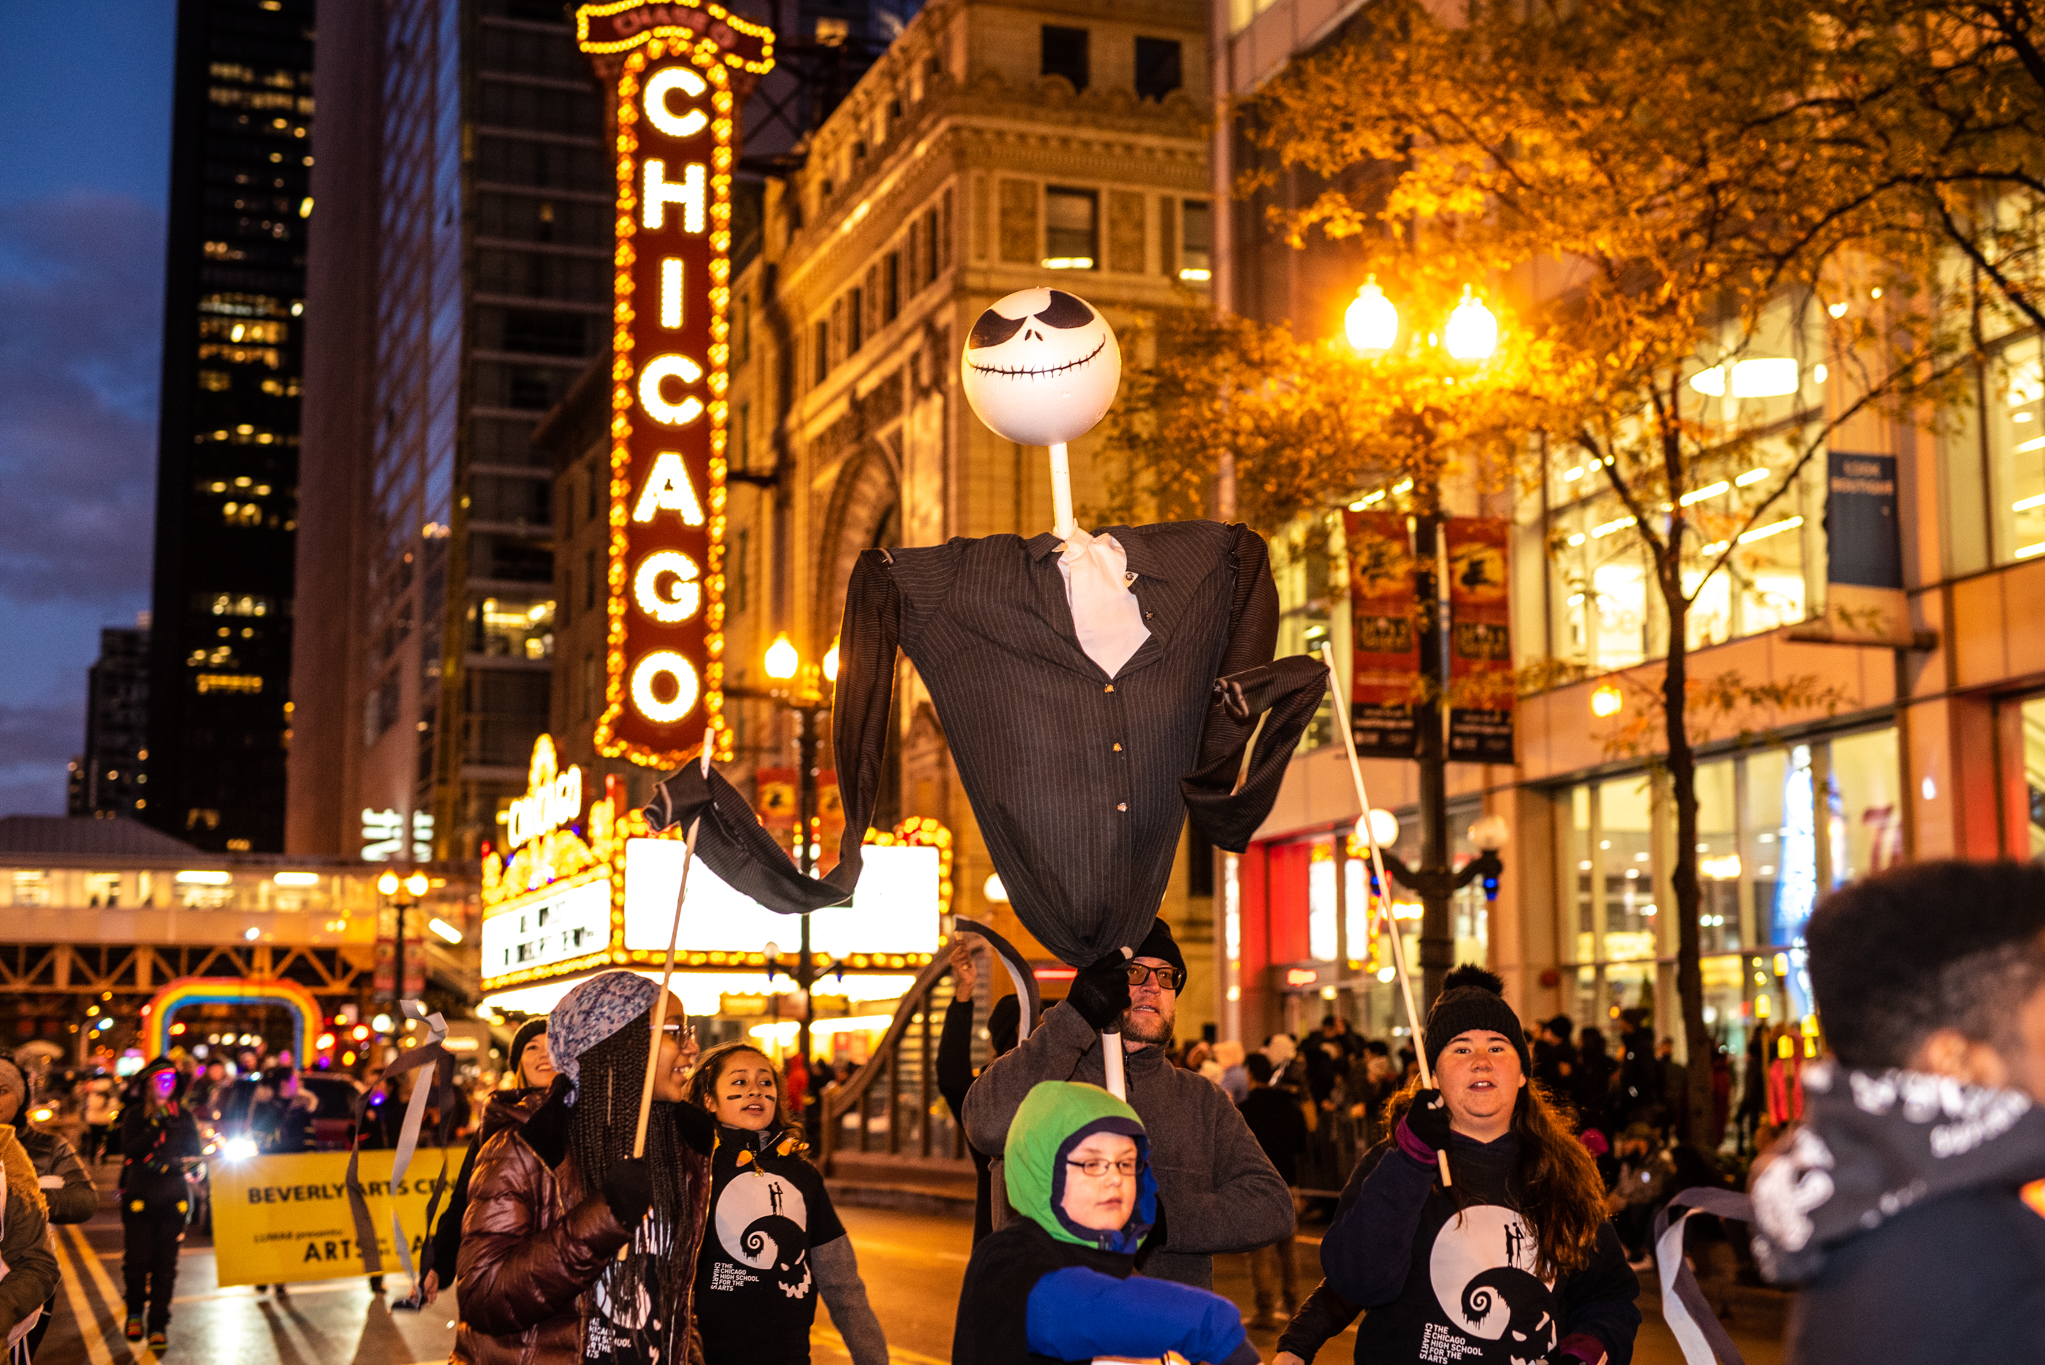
{"points": [[1111, 1062], [1062, 524], [1384, 884], [667, 974]]}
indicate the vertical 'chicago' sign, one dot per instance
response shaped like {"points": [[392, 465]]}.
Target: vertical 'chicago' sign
{"points": [[677, 72]]}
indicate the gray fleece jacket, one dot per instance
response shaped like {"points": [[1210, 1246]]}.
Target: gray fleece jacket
{"points": [[1218, 1190]]}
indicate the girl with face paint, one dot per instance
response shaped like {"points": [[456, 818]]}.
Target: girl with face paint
{"points": [[157, 1137], [774, 1242]]}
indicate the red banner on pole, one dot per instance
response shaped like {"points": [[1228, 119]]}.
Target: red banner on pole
{"points": [[1481, 692], [1385, 650]]}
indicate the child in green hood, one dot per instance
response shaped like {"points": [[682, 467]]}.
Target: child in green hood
{"points": [[1060, 1282]]}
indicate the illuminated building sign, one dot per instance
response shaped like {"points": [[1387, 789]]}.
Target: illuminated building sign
{"points": [[572, 902], [383, 836], [552, 798], [677, 72]]}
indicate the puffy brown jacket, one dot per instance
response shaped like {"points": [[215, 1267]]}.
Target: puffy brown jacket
{"points": [[534, 1241]]}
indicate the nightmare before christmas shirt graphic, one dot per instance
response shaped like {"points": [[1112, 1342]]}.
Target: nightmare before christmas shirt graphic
{"points": [[1445, 1285], [755, 1294]]}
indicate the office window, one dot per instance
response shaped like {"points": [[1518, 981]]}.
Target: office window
{"points": [[1196, 258], [1071, 229], [593, 495], [1065, 54], [823, 349], [741, 564], [589, 580], [1157, 67], [933, 254], [742, 437], [891, 287], [855, 321]]}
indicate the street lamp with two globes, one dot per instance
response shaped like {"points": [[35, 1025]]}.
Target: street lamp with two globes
{"points": [[1469, 336]]}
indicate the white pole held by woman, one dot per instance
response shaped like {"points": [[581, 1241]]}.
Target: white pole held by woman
{"points": [[1340, 701], [667, 973]]}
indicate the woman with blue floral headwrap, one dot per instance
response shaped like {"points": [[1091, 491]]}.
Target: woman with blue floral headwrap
{"points": [[556, 1198]]}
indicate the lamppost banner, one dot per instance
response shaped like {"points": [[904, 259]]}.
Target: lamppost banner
{"points": [[1385, 661], [1481, 693]]}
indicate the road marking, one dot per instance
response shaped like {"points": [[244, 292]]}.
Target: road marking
{"points": [[248, 1291], [82, 1309], [139, 1349], [896, 1354]]}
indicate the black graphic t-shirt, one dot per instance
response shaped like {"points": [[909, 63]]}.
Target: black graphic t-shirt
{"points": [[612, 1335], [1445, 1285], [755, 1294]]}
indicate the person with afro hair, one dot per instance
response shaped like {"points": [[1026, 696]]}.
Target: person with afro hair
{"points": [[1513, 1262], [1908, 1205]]}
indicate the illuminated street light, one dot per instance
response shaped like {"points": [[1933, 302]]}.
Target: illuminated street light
{"points": [[782, 660], [1372, 322], [444, 929], [831, 662], [1472, 330], [417, 884], [1606, 701], [388, 883]]}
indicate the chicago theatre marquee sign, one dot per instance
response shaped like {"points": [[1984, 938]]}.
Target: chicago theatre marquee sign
{"points": [[678, 72]]}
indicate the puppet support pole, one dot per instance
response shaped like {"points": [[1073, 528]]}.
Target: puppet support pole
{"points": [[1111, 1063], [1384, 887], [1062, 524]]}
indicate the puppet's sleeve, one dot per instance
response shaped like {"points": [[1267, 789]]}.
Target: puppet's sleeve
{"points": [[733, 842], [1250, 684]]}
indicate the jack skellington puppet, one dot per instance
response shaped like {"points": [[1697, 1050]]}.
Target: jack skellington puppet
{"points": [[1095, 689]]}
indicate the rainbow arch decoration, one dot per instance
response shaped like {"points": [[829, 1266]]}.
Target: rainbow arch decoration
{"points": [[228, 990]]}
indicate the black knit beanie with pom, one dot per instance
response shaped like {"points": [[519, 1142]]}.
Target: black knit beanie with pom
{"points": [[1473, 998]]}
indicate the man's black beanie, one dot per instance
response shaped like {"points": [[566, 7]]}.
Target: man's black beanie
{"points": [[1160, 944], [1472, 998], [535, 1027]]}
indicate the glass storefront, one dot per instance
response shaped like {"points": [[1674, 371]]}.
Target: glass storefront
{"points": [[1764, 858]]}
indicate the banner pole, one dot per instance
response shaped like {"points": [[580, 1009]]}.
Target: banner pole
{"points": [[1384, 885]]}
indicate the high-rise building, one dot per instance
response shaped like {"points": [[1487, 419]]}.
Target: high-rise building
{"points": [[461, 285], [227, 471], [109, 777]]}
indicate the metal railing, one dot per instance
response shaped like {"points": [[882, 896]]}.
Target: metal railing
{"points": [[891, 1105]]}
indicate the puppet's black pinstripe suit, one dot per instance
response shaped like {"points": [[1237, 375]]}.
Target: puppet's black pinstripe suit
{"points": [[1080, 783]]}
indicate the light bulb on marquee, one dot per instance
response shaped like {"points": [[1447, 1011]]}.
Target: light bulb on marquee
{"points": [[676, 72]]}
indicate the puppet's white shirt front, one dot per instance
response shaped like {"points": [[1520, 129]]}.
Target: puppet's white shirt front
{"points": [[1105, 614]]}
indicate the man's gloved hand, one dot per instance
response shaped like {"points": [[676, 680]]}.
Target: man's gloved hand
{"points": [[1101, 992], [628, 1189], [1426, 1125]]}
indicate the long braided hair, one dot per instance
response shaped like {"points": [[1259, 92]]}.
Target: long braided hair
{"points": [[600, 1128]]}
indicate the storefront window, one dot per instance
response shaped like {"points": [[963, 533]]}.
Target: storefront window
{"points": [[1761, 864], [2016, 452], [1321, 909]]}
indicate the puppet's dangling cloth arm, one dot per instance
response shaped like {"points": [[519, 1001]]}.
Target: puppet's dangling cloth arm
{"points": [[1250, 684], [733, 842]]}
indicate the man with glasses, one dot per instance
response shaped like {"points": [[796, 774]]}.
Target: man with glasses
{"points": [[1217, 1190]]}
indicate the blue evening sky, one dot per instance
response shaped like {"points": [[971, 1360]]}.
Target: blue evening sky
{"points": [[84, 172]]}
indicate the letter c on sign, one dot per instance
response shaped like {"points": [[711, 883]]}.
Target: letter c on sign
{"points": [[665, 82], [688, 593], [686, 687], [658, 408]]}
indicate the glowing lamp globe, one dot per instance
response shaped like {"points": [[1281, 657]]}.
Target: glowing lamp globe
{"points": [[1380, 826], [1607, 701], [1472, 330], [782, 660], [1041, 367], [1372, 323], [388, 883]]}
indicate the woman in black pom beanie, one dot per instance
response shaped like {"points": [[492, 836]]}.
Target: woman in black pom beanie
{"points": [[1515, 1262]]}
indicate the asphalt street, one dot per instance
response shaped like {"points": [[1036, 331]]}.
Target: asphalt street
{"points": [[912, 1264]]}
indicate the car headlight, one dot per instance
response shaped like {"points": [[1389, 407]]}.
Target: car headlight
{"points": [[237, 1149]]}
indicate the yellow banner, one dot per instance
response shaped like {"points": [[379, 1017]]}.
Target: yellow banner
{"points": [[282, 1219]]}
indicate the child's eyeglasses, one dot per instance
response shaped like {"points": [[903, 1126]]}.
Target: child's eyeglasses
{"points": [[1100, 1166], [674, 1030]]}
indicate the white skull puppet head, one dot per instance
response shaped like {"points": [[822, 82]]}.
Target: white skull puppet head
{"points": [[1041, 367]]}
